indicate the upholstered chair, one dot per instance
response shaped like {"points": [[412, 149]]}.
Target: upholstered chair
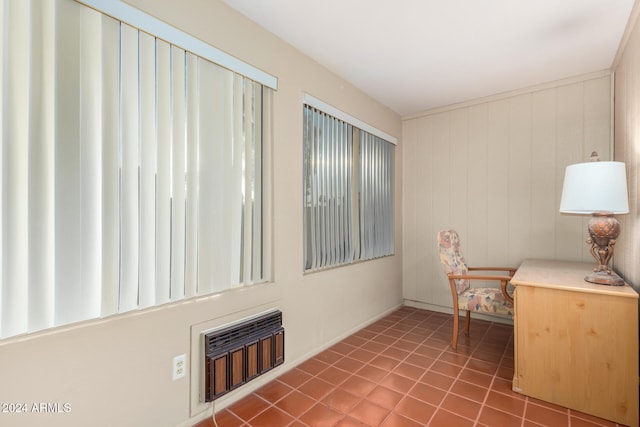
{"points": [[488, 300]]}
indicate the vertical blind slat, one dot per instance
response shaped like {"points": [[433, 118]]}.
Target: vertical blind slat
{"points": [[191, 238], [225, 259], [129, 166], [178, 147], [207, 214], [15, 169], [355, 195], [210, 214], [90, 64], [351, 194], [364, 223], [41, 189], [148, 149], [3, 105], [68, 245], [310, 188], [258, 191], [163, 176], [110, 165], [236, 196], [247, 191], [339, 220]]}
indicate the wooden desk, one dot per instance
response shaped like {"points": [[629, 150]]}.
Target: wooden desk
{"points": [[576, 343]]}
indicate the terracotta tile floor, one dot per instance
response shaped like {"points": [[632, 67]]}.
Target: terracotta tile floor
{"points": [[401, 372]]}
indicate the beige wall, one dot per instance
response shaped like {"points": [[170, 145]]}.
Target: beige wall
{"points": [[627, 148], [493, 170], [117, 371]]}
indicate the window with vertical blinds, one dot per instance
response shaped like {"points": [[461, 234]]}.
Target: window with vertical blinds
{"points": [[132, 170], [348, 192]]}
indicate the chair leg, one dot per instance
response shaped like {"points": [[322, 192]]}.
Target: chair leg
{"points": [[467, 323], [454, 340]]}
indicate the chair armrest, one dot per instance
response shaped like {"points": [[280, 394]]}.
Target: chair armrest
{"points": [[504, 280], [478, 277], [511, 270]]}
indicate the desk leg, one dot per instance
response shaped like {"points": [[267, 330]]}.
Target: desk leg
{"points": [[515, 384]]}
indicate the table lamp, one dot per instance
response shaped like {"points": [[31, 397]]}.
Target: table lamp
{"points": [[600, 190]]}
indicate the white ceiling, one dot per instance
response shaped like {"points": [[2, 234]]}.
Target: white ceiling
{"points": [[414, 55]]}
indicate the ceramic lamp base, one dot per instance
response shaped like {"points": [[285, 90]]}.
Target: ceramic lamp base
{"points": [[604, 229]]}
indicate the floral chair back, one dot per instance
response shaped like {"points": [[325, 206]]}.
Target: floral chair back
{"points": [[451, 258]]}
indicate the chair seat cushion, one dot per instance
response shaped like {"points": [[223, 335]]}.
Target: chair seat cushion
{"points": [[486, 300]]}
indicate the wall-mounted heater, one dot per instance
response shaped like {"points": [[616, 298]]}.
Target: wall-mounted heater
{"points": [[238, 353]]}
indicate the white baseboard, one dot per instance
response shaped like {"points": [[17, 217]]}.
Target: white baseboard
{"points": [[449, 310]]}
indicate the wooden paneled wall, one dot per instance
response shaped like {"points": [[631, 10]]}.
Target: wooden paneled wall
{"points": [[627, 149], [493, 170]]}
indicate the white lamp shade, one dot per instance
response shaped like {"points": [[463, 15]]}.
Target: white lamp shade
{"points": [[595, 187]]}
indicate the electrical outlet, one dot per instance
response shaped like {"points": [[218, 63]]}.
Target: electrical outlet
{"points": [[179, 366]]}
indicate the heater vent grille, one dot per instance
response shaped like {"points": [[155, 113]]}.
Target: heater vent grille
{"points": [[229, 337], [240, 352]]}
